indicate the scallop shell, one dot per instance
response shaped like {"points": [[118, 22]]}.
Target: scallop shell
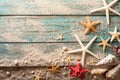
{"points": [[113, 72], [108, 60], [98, 71]]}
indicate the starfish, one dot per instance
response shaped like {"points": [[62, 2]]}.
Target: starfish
{"points": [[60, 37], [107, 8], [115, 35], [104, 43], [92, 61], [90, 25], [69, 59], [84, 50], [54, 69], [77, 71], [39, 77]]}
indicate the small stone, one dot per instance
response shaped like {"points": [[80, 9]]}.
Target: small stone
{"points": [[32, 72], [8, 73], [65, 68], [49, 61], [13, 77], [65, 49], [16, 62], [94, 77], [26, 62], [64, 74]]}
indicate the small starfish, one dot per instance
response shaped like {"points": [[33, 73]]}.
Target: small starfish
{"points": [[38, 77], [69, 59], [92, 61], [90, 25], [115, 35], [84, 50], [104, 43], [60, 37], [54, 69], [107, 8], [77, 71]]}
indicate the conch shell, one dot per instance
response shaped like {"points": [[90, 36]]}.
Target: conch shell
{"points": [[113, 72], [108, 60], [98, 71]]}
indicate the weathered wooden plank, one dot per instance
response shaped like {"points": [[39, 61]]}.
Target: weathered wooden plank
{"points": [[51, 7], [46, 28], [39, 54]]}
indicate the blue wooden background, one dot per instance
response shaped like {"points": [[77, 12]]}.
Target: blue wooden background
{"points": [[29, 29]]}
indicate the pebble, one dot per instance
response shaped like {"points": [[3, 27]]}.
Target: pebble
{"points": [[65, 49], [32, 72], [26, 62], [16, 62], [8, 73]]}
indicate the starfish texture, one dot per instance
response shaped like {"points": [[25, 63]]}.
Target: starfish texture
{"points": [[54, 69], [115, 35], [84, 50], [60, 37], [107, 8], [90, 25], [77, 71], [104, 43]]}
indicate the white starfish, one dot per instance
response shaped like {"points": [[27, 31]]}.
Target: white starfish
{"points": [[115, 35], [107, 8], [84, 50]]}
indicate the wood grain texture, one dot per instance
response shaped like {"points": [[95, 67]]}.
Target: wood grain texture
{"points": [[51, 7], [46, 28], [39, 54]]}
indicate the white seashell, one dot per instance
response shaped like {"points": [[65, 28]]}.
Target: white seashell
{"points": [[113, 72], [108, 60], [98, 71]]}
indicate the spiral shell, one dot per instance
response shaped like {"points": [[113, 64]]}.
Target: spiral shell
{"points": [[108, 60], [113, 72], [98, 71]]}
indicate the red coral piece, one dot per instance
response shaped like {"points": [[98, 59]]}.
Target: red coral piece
{"points": [[78, 71]]}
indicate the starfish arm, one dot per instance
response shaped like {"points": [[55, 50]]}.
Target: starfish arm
{"points": [[74, 51], [113, 37], [99, 9], [104, 47], [93, 29], [115, 31], [107, 16], [111, 33], [89, 44], [88, 19], [101, 38], [79, 41], [87, 30], [112, 3], [115, 12], [99, 44], [83, 23], [104, 2], [83, 58], [91, 53], [108, 39], [96, 23], [109, 45]]}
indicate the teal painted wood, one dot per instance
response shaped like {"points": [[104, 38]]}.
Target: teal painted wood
{"points": [[51, 7], [39, 54], [46, 28]]}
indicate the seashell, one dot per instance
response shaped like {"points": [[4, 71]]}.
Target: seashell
{"points": [[109, 60], [98, 71], [113, 72]]}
